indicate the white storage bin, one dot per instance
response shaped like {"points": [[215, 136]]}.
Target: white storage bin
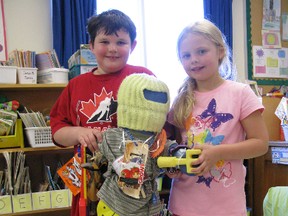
{"points": [[8, 74], [27, 75], [39, 136], [53, 75]]}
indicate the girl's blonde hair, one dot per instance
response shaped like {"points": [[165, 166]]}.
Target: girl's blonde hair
{"points": [[185, 100]]}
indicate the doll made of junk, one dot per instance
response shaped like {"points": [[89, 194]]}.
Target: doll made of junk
{"points": [[132, 149]]}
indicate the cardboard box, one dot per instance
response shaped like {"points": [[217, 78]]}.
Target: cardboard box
{"points": [[60, 198], [22, 203], [82, 56], [5, 204], [41, 200], [8, 75]]}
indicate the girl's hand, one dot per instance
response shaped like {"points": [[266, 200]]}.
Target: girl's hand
{"points": [[206, 160], [90, 138]]}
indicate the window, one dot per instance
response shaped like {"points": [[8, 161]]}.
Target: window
{"points": [[158, 25]]}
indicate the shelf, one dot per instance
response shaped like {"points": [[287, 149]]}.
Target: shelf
{"points": [[44, 212], [40, 149], [278, 143], [37, 97], [30, 86]]}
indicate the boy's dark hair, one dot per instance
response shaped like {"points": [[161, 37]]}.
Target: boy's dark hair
{"points": [[110, 22]]}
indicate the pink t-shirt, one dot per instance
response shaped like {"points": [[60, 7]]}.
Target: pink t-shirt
{"points": [[217, 115]]}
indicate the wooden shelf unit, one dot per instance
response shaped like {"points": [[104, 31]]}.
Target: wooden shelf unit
{"points": [[265, 175], [37, 97]]}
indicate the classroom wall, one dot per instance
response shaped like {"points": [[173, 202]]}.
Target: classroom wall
{"points": [[239, 39], [28, 27]]}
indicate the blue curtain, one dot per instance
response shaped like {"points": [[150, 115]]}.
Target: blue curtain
{"points": [[69, 26], [220, 13]]}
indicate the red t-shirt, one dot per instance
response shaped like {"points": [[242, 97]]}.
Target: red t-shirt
{"points": [[90, 101]]}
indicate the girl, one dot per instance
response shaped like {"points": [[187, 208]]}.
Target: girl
{"points": [[219, 116]]}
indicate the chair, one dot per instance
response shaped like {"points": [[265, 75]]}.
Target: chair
{"points": [[276, 201]]}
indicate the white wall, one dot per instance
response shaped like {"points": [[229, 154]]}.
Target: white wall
{"points": [[239, 39], [28, 27]]}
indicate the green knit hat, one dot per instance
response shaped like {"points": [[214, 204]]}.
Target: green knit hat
{"points": [[143, 103]]}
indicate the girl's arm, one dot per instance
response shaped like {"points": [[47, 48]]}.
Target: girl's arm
{"points": [[256, 144]]}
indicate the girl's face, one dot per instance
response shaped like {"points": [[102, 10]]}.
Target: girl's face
{"points": [[200, 57], [111, 51]]}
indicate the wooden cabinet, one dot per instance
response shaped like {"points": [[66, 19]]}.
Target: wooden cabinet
{"points": [[37, 97], [261, 173], [264, 174]]}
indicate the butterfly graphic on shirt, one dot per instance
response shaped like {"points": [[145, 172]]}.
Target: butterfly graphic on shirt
{"points": [[207, 137], [212, 118], [207, 181], [215, 140], [222, 173]]}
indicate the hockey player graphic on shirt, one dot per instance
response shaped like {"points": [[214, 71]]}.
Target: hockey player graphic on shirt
{"points": [[100, 109]]}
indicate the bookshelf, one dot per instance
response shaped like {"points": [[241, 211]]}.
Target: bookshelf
{"points": [[38, 97]]}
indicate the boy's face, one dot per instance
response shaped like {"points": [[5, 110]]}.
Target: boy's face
{"points": [[112, 51]]}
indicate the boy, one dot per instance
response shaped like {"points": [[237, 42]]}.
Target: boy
{"points": [[87, 106]]}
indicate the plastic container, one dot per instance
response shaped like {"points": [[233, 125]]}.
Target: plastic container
{"points": [[27, 75], [15, 140], [8, 75], [53, 75], [39, 136], [80, 69]]}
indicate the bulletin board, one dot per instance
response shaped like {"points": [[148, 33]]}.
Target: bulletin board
{"points": [[254, 14]]}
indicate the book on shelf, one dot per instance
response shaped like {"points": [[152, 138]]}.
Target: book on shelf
{"points": [[46, 60], [20, 58]]}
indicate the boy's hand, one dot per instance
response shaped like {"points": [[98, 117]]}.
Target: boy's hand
{"points": [[90, 138]]}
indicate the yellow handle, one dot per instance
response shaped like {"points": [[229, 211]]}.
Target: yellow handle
{"points": [[191, 155], [164, 162]]}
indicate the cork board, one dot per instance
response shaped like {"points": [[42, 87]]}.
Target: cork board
{"points": [[254, 12]]}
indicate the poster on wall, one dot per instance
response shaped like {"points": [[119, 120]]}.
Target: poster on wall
{"points": [[271, 39], [271, 14], [270, 63], [3, 47]]}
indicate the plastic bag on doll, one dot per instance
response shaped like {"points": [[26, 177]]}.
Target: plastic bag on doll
{"points": [[131, 168]]}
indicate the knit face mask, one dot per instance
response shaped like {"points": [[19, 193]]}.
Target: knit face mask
{"points": [[143, 103]]}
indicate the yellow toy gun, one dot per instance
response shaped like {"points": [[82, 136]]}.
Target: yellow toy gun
{"points": [[181, 159]]}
